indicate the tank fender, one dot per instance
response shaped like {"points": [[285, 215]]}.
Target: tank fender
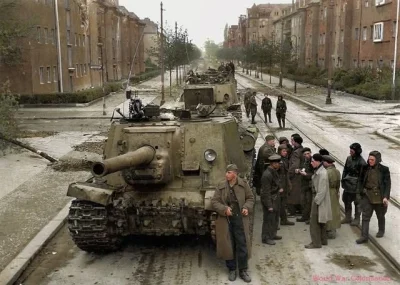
{"points": [[90, 192], [207, 200]]}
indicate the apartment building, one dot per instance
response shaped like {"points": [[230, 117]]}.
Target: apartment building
{"points": [[96, 43], [150, 39]]}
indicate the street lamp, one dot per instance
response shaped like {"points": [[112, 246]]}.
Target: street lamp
{"points": [[295, 77]]}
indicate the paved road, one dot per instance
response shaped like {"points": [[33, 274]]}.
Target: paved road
{"points": [[190, 261]]}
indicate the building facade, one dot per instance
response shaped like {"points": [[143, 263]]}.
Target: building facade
{"points": [[96, 40], [150, 39]]}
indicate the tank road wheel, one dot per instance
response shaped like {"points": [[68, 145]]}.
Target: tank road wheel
{"points": [[90, 227]]}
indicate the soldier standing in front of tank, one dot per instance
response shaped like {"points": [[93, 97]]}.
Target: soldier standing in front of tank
{"points": [[374, 191], [247, 96], [262, 162], [233, 201], [350, 179], [266, 106], [283, 175], [295, 162], [281, 111], [334, 186], [253, 107], [306, 173], [271, 187]]}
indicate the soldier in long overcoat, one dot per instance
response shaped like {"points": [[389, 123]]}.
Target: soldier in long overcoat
{"points": [[253, 107], [262, 162], [281, 111], [295, 164], [247, 96], [233, 200], [334, 186]]}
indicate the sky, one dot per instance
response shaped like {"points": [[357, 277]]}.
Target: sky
{"points": [[204, 19]]}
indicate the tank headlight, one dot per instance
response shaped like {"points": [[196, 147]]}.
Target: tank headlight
{"points": [[210, 155]]}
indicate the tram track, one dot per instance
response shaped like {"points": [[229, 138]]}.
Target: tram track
{"points": [[297, 129]]}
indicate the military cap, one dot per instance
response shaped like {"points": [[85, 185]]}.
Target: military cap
{"points": [[306, 149], [317, 157], [282, 146], [323, 151], [269, 138], [298, 139], [274, 158], [377, 155], [282, 139], [232, 167], [328, 158]]}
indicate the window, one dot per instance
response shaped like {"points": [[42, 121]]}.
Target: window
{"points": [[68, 37], [323, 38], [356, 36], [83, 40], [358, 4], [55, 74], [378, 32], [379, 2], [76, 70], [341, 36], [38, 34], [371, 34], [84, 69], [76, 39], [325, 12], [370, 63], [394, 29], [366, 3], [364, 34], [52, 37], [41, 71], [45, 35], [48, 73]]}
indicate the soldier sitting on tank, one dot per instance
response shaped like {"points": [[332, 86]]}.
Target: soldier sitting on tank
{"points": [[137, 108]]}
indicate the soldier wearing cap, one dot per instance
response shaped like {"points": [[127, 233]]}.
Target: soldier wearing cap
{"points": [[284, 140], [262, 162], [306, 173], [334, 186], [266, 106], [233, 201], [271, 187], [247, 96], [253, 107], [283, 174], [295, 162], [281, 111], [374, 188]]}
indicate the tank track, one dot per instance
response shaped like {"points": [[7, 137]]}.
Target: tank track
{"points": [[91, 227]]}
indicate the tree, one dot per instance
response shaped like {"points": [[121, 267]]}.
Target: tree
{"points": [[211, 49]]}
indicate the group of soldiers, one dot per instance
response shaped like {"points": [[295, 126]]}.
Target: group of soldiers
{"points": [[250, 104], [293, 182], [228, 67]]}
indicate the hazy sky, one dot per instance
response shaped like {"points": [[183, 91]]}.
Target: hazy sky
{"points": [[202, 18]]}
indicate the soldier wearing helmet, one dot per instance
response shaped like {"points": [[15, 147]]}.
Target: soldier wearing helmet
{"points": [[350, 178]]}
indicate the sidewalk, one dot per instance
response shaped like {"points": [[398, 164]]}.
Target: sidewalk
{"points": [[314, 97]]}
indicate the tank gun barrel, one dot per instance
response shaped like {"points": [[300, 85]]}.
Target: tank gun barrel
{"points": [[143, 155]]}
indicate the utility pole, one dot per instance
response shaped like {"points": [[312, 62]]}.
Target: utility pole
{"points": [[162, 57], [395, 52], [176, 53], [329, 45]]}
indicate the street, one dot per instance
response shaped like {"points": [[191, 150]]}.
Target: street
{"points": [[189, 260]]}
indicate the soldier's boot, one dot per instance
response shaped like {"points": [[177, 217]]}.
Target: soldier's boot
{"points": [[283, 123], [347, 217], [364, 233], [356, 221], [280, 124], [381, 229]]}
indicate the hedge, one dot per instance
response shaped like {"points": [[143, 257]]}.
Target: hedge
{"points": [[83, 96]]}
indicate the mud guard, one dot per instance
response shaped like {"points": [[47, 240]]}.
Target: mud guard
{"points": [[88, 192]]}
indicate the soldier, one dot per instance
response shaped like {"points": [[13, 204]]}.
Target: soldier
{"points": [[266, 106], [295, 162], [374, 192], [284, 140], [321, 211], [334, 186], [265, 151], [271, 188], [221, 67], [253, 107], [233, 201], [281, 111], [247, 96], [283, 175], [350, 178], [306, 173], [232, 66]]}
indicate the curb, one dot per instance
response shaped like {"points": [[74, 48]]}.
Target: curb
{"points": [[65, 118], [315, 106], [16, 267], [381, 132]]}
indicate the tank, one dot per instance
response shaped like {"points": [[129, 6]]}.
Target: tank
{"points": [[157, 177]]}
